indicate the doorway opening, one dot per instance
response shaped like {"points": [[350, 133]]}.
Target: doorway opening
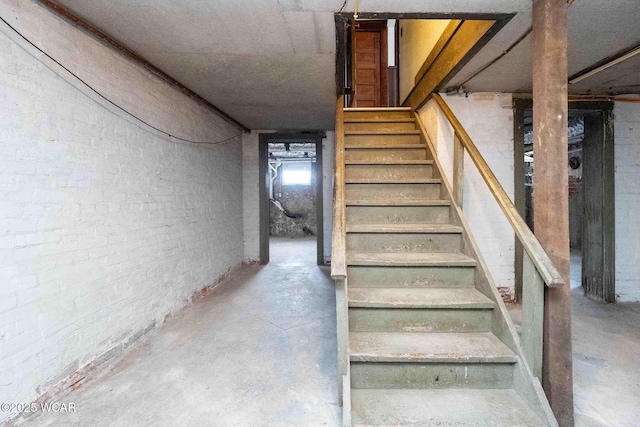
{"points": [[291, 219], [368, 47], [399, 59], [591, 194]]}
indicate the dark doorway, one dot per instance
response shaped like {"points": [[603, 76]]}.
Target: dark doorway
{"points": [[591, 193], [291, 189]]}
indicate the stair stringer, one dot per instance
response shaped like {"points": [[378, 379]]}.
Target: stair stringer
{"points": [[524, 383]]}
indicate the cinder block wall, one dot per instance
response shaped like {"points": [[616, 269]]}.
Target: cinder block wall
{"points": [[106, 227], [488, 118], [627, 199]]}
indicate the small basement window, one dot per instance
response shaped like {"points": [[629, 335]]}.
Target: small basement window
{"points": [[296, 173]]}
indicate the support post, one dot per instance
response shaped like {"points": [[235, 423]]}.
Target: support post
{"points": [[458, 170], [519, 191], [551, 201]]}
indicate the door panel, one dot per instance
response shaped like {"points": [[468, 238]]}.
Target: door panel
{"points": [[367, 69]]}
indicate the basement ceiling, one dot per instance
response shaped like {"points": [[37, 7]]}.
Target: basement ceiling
{"points": [[596, 30], [270, 64]]}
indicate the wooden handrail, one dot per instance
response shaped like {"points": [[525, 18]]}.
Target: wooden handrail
{"points": [[338, 236], [536, 252]]}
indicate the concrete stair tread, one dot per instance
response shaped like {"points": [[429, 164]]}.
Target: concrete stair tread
{"points": [[397, 202], [385, 180], [380, 120], [425, 347], [441, 298], [403, 228], [370, 146], [410, 259], [382, 132], [440, 407], [388, 162]]}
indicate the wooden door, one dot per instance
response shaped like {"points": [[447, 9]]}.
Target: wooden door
{"points": [[366, 76]]}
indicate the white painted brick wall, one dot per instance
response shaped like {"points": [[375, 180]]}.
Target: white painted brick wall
{"points": [[328, 159], [251, 196], [627, 199], [106, 227], [488, 118]]}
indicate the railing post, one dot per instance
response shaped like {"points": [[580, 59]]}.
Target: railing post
{"points": [[342, 331], [532, 315], [339, 263], [458, 170], [338, 235]]}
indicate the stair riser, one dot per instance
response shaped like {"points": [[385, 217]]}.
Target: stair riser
{"points": [[431, 375], [413, 277], [379, 126], [392, 191], [401, 242], [387, 172], [397, 214], [377, 115], [382, 154], [419, 320], [386, 139]]}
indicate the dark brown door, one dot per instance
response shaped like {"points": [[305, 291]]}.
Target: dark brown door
{"points": [[366, 76]]}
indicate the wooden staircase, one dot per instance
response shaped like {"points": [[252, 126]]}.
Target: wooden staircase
{"points": [[429, 341]]}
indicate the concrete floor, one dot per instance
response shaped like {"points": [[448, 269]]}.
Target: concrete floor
{"points": [[260, 350], [606, 357], [606, 362]]}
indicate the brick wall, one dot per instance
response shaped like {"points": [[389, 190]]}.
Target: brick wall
{"points": [[328, 158], [488, 118], [627, 200], [106, 227], [251, 196]]}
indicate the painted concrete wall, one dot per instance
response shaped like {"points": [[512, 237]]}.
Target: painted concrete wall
{"points": [[488, 118], [627, 200], [251, 196], [417, 38], [106, 227]]}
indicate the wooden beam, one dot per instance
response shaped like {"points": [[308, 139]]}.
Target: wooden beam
{"points": [[449, 60], [447, 34], [264, 203], [341, 53], [551, 199], [317, 170], [75, 20], [429, 15]]}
